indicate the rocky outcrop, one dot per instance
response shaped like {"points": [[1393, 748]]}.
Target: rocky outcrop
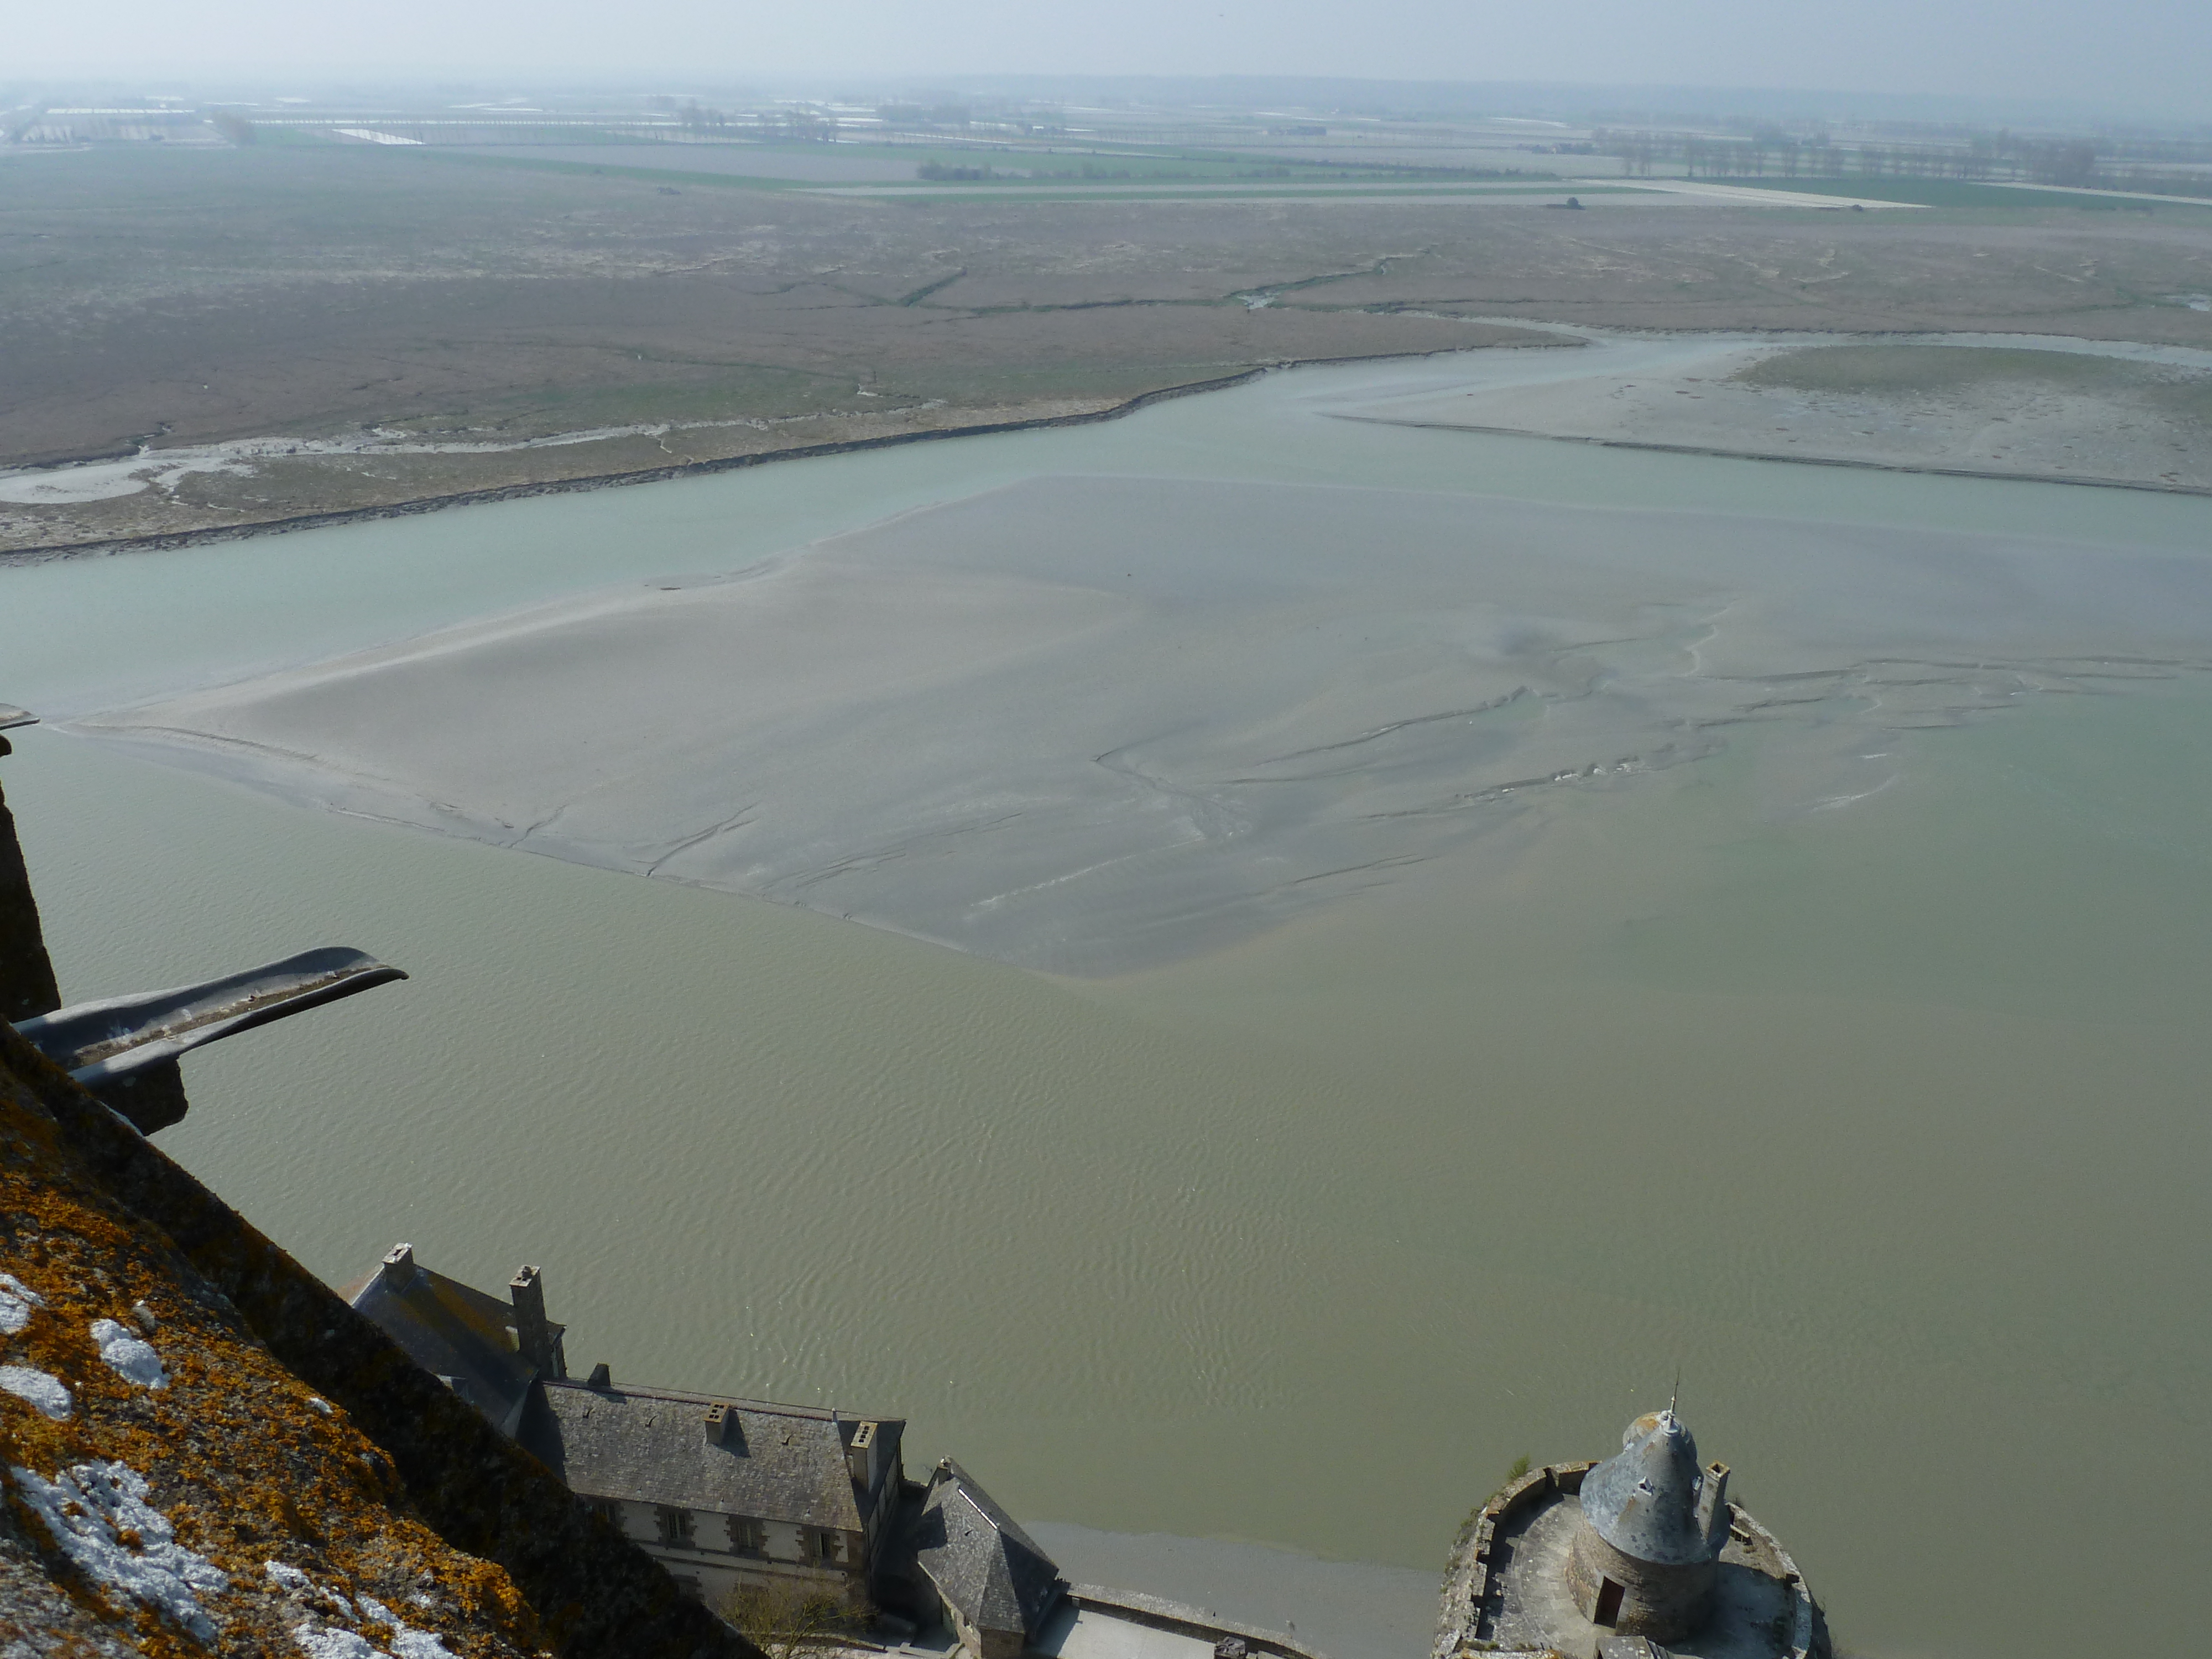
{"points": [[27, 976], [203, 1449]]}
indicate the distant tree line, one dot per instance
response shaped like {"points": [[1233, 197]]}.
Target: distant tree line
{"points": [[2001, 157], [923, 115], [802, 123]]}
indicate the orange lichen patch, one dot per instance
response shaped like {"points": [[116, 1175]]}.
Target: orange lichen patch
{"points": [[290, 1445], [237, 1461]]}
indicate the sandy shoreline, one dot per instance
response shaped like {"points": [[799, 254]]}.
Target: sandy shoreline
{"points": [[1503, 400], [230, 304], [1795, 459], [217, 533], [2051, 411]]}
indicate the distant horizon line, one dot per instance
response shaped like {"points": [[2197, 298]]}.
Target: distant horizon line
{"points": [[1515, 95]]}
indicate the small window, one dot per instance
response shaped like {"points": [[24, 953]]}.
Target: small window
{"points": [[607, 1509], [826, 1546], [674, 1525], [747, 1537]]}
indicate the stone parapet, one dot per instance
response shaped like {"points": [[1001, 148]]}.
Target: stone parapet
{"points": [[1808, 1640], [1467, 1574], [1483, 1577], [1181, 1619]]}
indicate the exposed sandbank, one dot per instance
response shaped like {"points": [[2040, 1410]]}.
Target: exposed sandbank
{"points": [[1085, 725], [2113, 413], [1974, 407]]}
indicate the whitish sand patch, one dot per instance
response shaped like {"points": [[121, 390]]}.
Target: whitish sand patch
{"points": [[162, 469], [1087, 724], [2037, 407], [1754, 196]]}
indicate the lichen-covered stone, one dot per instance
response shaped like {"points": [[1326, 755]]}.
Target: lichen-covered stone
{"points": [[292, 1484]]}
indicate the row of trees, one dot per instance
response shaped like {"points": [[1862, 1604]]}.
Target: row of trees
{"points": [[804, 123], [2000, 155]]}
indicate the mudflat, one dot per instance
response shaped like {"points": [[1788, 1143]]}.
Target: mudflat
{"points": [[1088, 724], [380, 326], [2034, 407]]}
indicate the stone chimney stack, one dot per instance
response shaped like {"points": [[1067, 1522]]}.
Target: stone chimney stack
{"points": [[398, 1269], [532, 1336], [1713, 1499]]}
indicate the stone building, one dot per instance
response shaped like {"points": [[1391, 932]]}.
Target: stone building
{"points": [[723, 1493], [1641, 1555], [1645, 1560], [994, 1586], [727, 1492], [486, 1350]]}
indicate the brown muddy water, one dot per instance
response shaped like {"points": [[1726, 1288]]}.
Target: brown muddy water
{"points": [[1882, 1119]]}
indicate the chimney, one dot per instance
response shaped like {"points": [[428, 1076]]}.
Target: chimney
{"points": [[1713, 1500], [531, 1334], [718, 1424], [397, 1270], [601, 1377], [861, 1456]]}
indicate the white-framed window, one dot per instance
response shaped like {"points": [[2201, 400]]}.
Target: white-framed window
{"points": [[676, 1526], [746, 1536], [827, 1545]]}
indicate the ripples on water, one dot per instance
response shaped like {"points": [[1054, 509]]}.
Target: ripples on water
{"points": [[1884, 1123]]}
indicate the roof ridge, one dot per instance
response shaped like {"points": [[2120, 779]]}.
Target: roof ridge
{"points": [[987, 1506], [687, 1396]]}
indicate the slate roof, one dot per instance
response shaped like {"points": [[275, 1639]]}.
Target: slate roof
{"points": [[650, 1446], [453, 1331], [1644, 1499], [995, 1574]]}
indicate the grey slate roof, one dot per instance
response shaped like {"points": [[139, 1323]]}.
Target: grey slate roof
{"points": [[650, 1446], [1644, 1499], [453, 1331], [995, 1574]]}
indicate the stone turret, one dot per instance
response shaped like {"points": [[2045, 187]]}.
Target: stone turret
{"points": [[1646, 1554], [1610, 1560]]}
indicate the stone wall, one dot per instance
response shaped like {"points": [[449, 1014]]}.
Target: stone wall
{"points": [[288, 1429], [1468, 1593], [1467, 1574], [1660, 1601], [1180, 1618], [1809, 1628]]}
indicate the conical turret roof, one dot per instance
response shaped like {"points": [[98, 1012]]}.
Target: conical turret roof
{"points": [[1643, 1501]]}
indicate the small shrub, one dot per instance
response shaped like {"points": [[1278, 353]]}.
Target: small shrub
{"points": [[791, 1619]]}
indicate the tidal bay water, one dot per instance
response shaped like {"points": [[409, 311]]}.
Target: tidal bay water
{"points": [[1884, 1124]]}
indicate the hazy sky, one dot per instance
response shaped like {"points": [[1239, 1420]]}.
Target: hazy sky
{"points": [[2152, 54]]}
